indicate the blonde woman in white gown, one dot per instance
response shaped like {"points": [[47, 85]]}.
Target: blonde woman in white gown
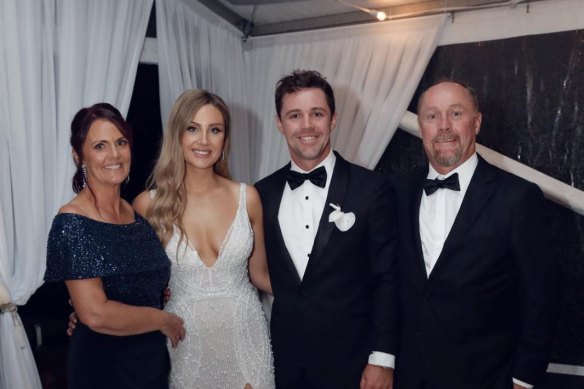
{"points": [[213, 233]]}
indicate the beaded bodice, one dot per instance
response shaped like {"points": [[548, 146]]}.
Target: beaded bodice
{"points": [[229, 273]]}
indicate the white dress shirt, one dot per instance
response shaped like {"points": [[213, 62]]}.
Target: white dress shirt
{"points": [[299, 215], [438, 211], [300, 212], [437, 214]]}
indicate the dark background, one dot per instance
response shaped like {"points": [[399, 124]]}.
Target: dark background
{"points": [[530, 90]]}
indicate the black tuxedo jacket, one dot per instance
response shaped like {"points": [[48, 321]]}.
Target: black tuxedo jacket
{"points": [[324, 327], [485, 314]]}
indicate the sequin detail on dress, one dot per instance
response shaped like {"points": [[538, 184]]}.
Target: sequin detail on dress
{"points": [[128, 257], [227, 343]]}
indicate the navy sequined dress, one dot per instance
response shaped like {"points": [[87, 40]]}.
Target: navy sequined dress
{"points": [[134, 269]]}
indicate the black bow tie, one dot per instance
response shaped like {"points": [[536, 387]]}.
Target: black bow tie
{"points": [[317, 177], [431, 186]]}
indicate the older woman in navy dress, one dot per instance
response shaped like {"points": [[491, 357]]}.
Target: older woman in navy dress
{"points": [[113, 265]]}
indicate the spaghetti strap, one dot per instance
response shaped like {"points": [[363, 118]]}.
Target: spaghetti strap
{"points": [[242, 195]]}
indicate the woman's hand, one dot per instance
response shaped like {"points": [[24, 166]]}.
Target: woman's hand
{"points": [[72, 323], [173, 327], [166, 295]]}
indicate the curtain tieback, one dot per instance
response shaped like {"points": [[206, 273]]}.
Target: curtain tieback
{"points": [[6, 308], [20, 334]]}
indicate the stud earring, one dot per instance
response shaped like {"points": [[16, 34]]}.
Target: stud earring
{"points": [[84, 172]]}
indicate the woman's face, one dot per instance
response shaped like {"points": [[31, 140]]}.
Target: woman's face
{"points": [[202, 142], [106, 154]]}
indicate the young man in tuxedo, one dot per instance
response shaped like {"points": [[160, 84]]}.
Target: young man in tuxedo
{"points": [[330, 238], [477, 283]]}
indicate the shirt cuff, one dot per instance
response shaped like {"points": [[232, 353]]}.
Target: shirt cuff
{"points": [[516, 381], [382, 359]]}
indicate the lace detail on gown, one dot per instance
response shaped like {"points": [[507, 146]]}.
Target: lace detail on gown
{"points": [[226, 343]]}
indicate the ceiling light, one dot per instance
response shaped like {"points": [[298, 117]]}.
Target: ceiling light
{"points": [[380, 15]]}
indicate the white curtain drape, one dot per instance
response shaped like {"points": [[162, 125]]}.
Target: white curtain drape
{"points": [[374, 70], [23, 32], [56, 56], [197, 49], [98, 45]]}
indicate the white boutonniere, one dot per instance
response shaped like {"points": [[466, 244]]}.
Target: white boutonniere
{"points": [[343, 221]]}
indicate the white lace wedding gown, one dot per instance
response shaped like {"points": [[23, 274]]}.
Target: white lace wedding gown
{"points": [[226, 344]]}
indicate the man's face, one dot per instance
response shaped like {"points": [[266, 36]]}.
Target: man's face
{"points": [[306, 122], [449, 123]]}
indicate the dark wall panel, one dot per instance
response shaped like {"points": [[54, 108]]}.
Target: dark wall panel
{"points": [[144, 117]]}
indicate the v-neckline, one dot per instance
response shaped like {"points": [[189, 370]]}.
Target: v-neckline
{"points": [[223, 243]]}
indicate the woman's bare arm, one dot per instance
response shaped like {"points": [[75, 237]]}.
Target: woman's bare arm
{"points": [[105, 316], [258, 264]]}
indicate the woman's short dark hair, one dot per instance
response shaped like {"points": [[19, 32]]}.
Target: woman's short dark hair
{"points": [[80, 125], [302, 79]]}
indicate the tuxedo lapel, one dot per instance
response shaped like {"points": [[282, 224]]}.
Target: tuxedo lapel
{"points": [[336, 195], [481, 188], [271, 210], [416, 193]]}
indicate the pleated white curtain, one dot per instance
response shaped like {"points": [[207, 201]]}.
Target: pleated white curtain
{"points": [[374, 70], [197, 49], [24, 32], [56, 56], [98, 45]]}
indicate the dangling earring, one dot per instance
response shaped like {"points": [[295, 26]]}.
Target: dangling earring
{"points": [[223, 155], [128, 179], [84, 172]]}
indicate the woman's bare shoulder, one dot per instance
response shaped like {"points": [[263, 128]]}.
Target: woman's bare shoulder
{"points": [[142, 202], [76, 206], [253, 202], [252, 195]]}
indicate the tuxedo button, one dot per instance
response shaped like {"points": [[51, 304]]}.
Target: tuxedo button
{"points": [[306, 197], [304, 293], [426, 295], [307, 227]]}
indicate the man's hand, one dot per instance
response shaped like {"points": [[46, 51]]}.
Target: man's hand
{"points": [[376, 377]]}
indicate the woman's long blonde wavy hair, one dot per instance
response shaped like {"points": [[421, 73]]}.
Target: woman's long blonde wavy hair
{"points": [[169, 201]]}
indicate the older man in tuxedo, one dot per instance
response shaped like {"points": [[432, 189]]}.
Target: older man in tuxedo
{"points": [[477, 283], [330, 237]]}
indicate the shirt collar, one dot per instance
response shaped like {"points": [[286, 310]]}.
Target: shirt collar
{"points": [[328, 163], [465, 172]]}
